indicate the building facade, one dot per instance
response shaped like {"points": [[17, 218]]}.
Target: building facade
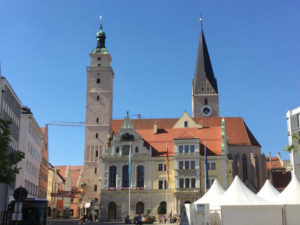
{"points": [[279, 171], [10, 109], [43, 175], [293, 124], [30, 144], [166, 167]]}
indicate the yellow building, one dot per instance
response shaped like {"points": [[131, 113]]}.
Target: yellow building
{"points": [[184, 141]]}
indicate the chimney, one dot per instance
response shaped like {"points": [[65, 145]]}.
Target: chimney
{"points": [[155, 128], [269, 156], [278, 155]]}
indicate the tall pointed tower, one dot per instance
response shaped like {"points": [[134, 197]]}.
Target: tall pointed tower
{"points": [[205, 97], [99, 94]]}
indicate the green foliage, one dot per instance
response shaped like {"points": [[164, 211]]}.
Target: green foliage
{"points": [[161, 209], [8, 160], [293, 147]]}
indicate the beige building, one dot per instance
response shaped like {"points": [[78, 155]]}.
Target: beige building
{"points": [[98, 118], [30, 144], [230, 146]]}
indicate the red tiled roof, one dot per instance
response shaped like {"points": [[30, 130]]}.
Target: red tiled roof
{"points": [[236, 129], [274, 163], [212, 137], [75, 173]]}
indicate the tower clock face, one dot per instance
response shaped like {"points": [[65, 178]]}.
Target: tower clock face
{"points": [[206, 110]]}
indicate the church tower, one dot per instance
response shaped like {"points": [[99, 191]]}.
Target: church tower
{"points": [[98, 122], [205, 97]]}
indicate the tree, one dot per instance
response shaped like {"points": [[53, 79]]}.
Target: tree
{"points": [[293, 147], [8, 159]]}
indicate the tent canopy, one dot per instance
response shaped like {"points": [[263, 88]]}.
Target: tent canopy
{"points": [[213, 194], [268, 192], [291, 194], [239, 194]]}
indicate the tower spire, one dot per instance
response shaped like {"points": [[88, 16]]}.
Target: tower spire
{"points": [[100, 49], [204, 68], [205, 97]]}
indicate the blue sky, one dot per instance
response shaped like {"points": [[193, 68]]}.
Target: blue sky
{"points": [[254, 48]]}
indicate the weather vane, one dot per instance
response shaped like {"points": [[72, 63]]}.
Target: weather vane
{"points": [[201, 22], [100, 21]]}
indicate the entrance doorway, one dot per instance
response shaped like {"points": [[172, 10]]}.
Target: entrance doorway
{"points": [[112, 212]]}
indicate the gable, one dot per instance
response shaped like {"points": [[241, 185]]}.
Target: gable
{"points": [[184, 120]]}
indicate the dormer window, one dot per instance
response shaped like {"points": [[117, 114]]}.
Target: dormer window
{"points": [[186, 123]]}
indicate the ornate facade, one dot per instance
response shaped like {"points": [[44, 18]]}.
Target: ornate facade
{"points": [[131, 184]]}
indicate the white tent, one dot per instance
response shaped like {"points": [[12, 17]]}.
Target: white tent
{"points": [[204, 209], [239, 206], [291, 194], [268, 192], [212, 196], [239, 194], [290, 197]]}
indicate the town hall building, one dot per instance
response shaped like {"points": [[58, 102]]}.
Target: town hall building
{"points": [[132, 166]]}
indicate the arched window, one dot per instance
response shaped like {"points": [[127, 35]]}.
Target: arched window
{"points": [[97, 120], [139, 208], [187, 202], [98, 81], [140, 177], [136, 149], [245, 167], [125, 177], [96, 135], [257, 169], [162, 208], [112, 176], [186, 124]]}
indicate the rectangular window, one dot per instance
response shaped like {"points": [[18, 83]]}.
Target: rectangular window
{"points": [[181, 165], [192, 148], [187, 183], [160, 184], [192, 165], [96, 153], [213, 166], [181, 180], [210, 182], [125, 149], [186, 148], [187, 165], [298, 116], [180, 148], [160, 167], [95, 170], [193, 183]]}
